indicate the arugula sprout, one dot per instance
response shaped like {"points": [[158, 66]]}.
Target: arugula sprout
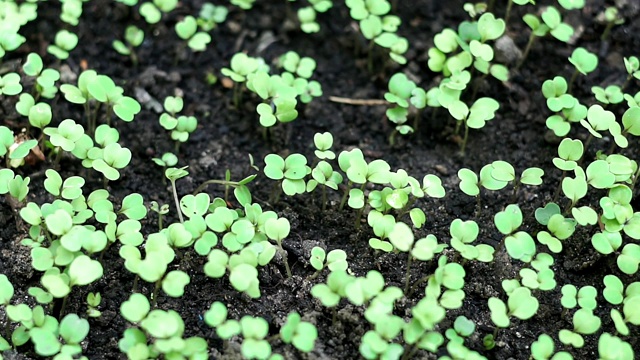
{"points": [[211, 15], [174, 174], [277, 230], [544, 348], [300, 333], [64, 42], [611, 347], [187, 29], [558, 29], [584, 61], [290, 172], [612, 17], [152, 11], [584, 323], [465, 232], [403, 92], [521, 304], [10, 84], [134, 36]]}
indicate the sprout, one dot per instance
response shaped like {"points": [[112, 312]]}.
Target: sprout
{"points": [[520, 305], [64, 42], [558, 29], [584, 323], [187, 29], [299, 333], [134, 37]]}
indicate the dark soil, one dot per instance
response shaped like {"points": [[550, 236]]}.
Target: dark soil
{"points": [[226, 136]]}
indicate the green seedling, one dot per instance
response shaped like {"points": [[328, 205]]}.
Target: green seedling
{"points": [[584, 323], [465, 232], [541, 277], [544, 348], [300, 66], [612, 347], [301, 334], [187, 30], [558, 29], [71, 12], [133, 36], [379, 28], [211, 15], [323, 143], [241, 66], [521, 304], [290, 172], [475, 117], [277, 230], [93, 301], [152, 11], [323, 174], [402, 93], [45, 79], [307, 17], [584, 61], [10, 84], [174, 174], [63, 43], [559, 228], [65, 137], [632, 65], [612, 18], [612, 94], [14, 185], [585, 297], [336, 260], [10, 39], [161, 210]]}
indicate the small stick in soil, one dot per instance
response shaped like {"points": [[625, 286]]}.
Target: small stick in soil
{"points": [[365, 102]]}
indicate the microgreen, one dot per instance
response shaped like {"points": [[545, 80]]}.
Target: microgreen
{"points": [[152, 10], [10, 84], [134, 37], [544, 348], [290, 172], [187, 29], [64, 42], [300, 333], [277, 230], [174, 174], [584, 61], [521, 304], [558, 29], [584, 323], [211, 15]]}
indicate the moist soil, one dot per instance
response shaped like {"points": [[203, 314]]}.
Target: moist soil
{"points": [[226, 135]]}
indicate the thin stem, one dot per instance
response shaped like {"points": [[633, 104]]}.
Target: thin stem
{"points": [[574, 76], [607, 30], [586, 145], [58, 157], [464, 140], [408, 277], [284, 258], [555, 196], [7, 325], [532, 39], [370, 57], [635, 178], [508, 13], [64, 306], [154, 296], [415, 285], [324, 198], [346, 193], [160, 221], [175, 198]]}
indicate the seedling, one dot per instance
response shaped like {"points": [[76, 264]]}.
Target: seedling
{"points": [[465, 232], [134, 37], [584, 323], [152, 11], [211, 15], [10, 84], [403, 91], [520, 305], [277, 230], [290, 172], [174, 174], [612, 18], [93, 301], [300, 333], [241, 66], [64, 42], [187, 29], [584, 62], [544, 348], [558, 29]]}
